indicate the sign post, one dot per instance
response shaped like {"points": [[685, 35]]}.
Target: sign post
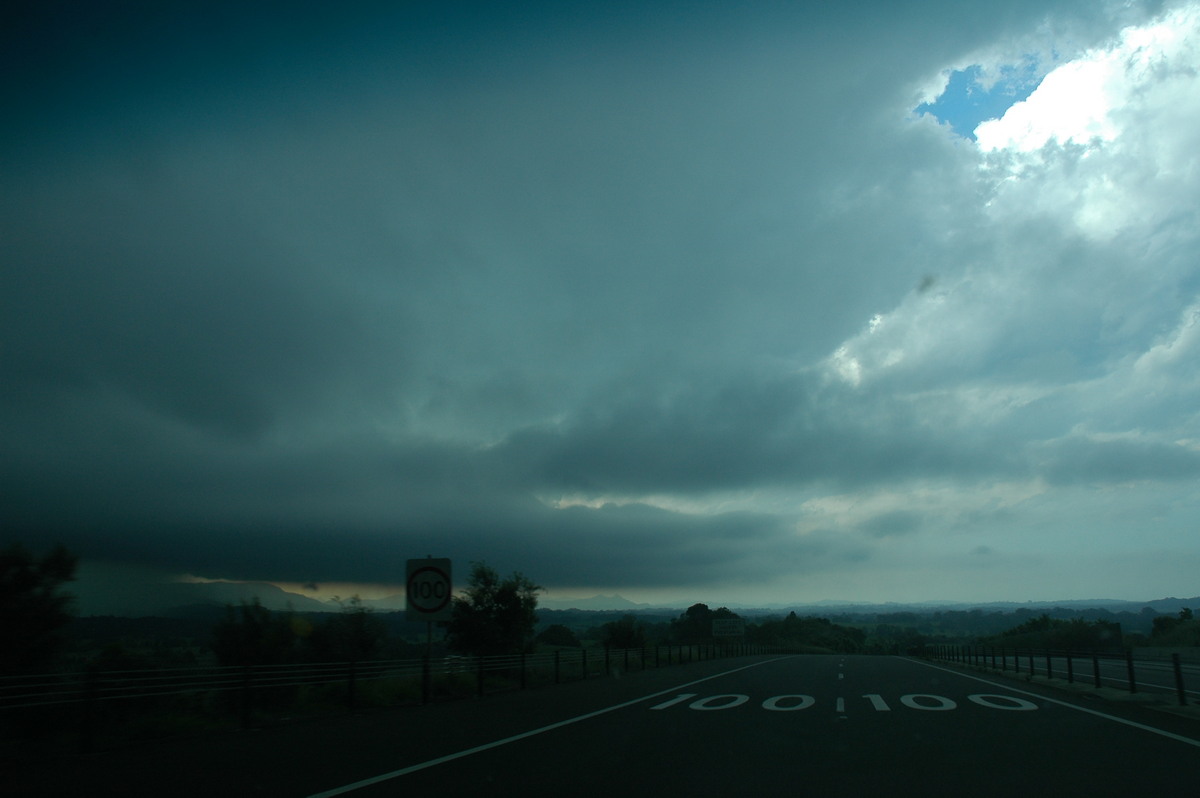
{"points": [[729, 628], [427, 598]]}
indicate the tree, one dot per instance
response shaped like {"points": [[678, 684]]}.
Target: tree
{"points": [[1168, 627], [353, 635], [251, 634], [558, 635], [695, 625], [494, 615], [32, 606], [625, 633]]}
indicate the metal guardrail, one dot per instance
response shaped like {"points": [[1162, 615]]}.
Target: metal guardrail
{"points": [[1132, 669]]}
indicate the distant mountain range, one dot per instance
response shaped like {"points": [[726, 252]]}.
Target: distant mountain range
{"points": [[186, 598], [163, 598], [594, 603], [618, 603]]}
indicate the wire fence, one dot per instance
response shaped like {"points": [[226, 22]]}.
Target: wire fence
{"points": [[249, 692], [1154, 671]]}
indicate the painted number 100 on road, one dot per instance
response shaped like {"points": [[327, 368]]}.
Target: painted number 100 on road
{"points": [[794, 702]]}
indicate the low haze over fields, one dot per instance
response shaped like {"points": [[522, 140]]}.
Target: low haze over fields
{"points": [[734, 302]]}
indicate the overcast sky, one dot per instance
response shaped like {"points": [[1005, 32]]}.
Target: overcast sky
{"points": [[732, 302]]}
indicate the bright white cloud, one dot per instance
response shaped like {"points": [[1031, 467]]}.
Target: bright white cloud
{"points": [[1088, 98], [1108, 148]]}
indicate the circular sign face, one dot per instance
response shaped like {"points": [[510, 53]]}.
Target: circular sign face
{"points": [[428, 590]]}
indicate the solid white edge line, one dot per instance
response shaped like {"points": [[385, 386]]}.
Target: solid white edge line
{"points": [[497, 743], [1132, 723]]}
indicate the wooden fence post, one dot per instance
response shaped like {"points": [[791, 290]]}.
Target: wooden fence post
{"points": [[247, 698], [87, 727], [1179, 679]]}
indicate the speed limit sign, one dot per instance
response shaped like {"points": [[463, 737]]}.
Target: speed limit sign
{"points": [[429, 588]]}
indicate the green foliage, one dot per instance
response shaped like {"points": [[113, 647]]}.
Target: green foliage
{"points": [[251, 634], [32, 607], [558, 635], [116, 657], [1183, 630], [807, 634], [494, 615], [695, 625], [625, 633], [1046, 632], [886, 638], [352, 635]]}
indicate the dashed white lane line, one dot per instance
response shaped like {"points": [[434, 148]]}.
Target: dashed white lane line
{"points": [[1040, 697], [358, 785]]}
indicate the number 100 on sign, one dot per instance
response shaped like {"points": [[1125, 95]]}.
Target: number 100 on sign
{"points": [[429, 589]]}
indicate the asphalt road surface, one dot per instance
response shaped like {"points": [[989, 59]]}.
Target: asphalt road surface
{"points": [[796, 725]]}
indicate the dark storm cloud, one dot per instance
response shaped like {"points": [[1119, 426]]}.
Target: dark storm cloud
{"points": [[177, 305], [748, 432], [296, 295], [356, 513], [1080, 460]]}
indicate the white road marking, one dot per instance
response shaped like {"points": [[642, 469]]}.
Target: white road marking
{"points": [[1018, 704], [877, 701], [679, 699], [772, 703], [1006, 687], [943, 703], [727, 701], [358, 785], [841, 705]]}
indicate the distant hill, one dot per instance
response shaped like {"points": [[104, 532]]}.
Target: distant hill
{"points": [[270, 596], [613, 602], [143, 597], [394, 603], [1168, 606], [166, 598]]}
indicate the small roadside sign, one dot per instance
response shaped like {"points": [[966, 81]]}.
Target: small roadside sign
{"points": [[728, 627], [428, 590]]}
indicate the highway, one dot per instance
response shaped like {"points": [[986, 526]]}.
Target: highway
{"points": [[806, 725]]}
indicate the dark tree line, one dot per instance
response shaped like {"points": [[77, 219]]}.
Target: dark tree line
{"points": [[33, 607], [1180, 630], [1046, 632], [251, 634], [492, 616], [813, 634]]}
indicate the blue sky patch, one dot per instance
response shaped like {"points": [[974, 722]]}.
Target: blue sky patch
{"points": [[965, 102]]}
